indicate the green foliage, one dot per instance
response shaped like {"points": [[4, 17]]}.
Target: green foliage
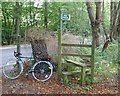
{"points": [[66, 80], [109, 55], [107, 60], [32, 16], [88, 79], [85, 51]]}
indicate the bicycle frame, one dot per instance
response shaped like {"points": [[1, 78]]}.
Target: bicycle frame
{"points": [[19, 58]]}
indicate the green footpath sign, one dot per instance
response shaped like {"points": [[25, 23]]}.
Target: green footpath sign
{"points": [[65, 16]]}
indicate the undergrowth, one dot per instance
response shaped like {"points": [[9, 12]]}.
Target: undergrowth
{"points": [[105, 62]]}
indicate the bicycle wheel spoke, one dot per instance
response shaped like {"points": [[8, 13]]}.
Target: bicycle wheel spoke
{"points": [[12, 69], [42, 70]]}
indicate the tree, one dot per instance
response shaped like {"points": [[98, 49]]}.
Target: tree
{"points": [[118, 25], [17, 26], [116, 33], [8, 22], [46, 15], [114, 23], [95, 20], [103, 20], [114, 10]]}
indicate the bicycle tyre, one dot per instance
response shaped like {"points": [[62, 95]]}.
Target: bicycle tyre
{"points": [[43, 70], [13, 69]]}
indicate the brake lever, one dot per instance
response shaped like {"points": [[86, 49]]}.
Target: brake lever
{"points": [[16, 54]]}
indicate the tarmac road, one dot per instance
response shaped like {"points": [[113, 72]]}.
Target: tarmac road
{"points": [[7, 53]]}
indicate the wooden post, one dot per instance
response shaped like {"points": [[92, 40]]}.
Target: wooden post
{"points": [[93, 57], [60, 48], [82, 75]]}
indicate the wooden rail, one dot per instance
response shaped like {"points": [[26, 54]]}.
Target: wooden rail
{"points": [[71, 54], [76, 45], [71, 72]]}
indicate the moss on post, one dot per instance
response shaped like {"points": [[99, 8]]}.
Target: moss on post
{"points": [[59, 55]]}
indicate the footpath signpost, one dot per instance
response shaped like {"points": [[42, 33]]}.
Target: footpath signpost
{"points": [[64, 16]]}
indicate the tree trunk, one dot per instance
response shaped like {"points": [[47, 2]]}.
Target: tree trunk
{"points": [[113, 18], [45, 15], [114, 11], [39, 49], [18, 13], [90, 12], [116, 29], [30, 11], [118, 26], [102, 22], [4, 16], [95, 22]]}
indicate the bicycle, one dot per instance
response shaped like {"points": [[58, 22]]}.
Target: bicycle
{"points": [[41, 70]]}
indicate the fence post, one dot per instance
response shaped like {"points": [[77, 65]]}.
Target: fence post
{"points": [[60, 47], [93, 57]]}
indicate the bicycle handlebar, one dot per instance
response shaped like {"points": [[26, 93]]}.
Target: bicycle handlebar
{"points": [[16, 54]]}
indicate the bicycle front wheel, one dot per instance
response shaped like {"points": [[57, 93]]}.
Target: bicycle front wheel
{"points": [[42, 71], [12, 69]]}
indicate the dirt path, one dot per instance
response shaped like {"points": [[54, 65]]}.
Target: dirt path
{"points": [[24, 85]]}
